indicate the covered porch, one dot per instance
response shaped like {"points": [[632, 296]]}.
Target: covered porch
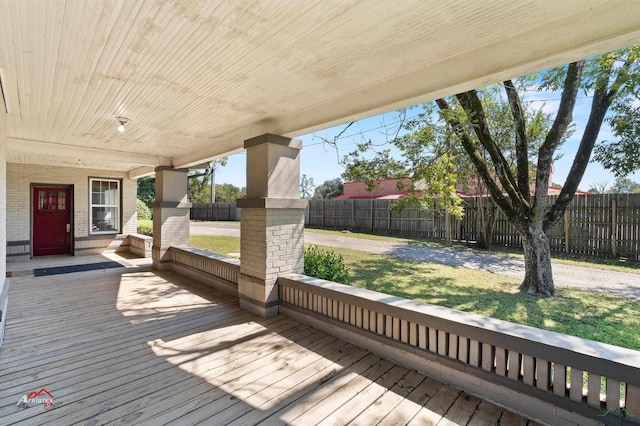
{"points": [[133, 345], [191, 82]]}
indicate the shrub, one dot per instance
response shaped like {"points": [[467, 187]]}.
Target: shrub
{"points": [[325, 264], [145, 227], [144, 213]]}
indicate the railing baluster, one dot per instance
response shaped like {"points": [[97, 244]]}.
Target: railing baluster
{"points": [[501, 361], [528, 369], [559, 379], [453, 346], [593, 390], [433, 340], [388, 326], [380, 324], [613, 394], [575, 390], [488, 357], [404, 331], [442, 343], [632, 399], [513, 369], [418, 336], [543, 375], [463, 349], [474, 353]]}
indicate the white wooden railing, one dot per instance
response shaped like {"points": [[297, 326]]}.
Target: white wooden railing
{"points": [[551, 377]]}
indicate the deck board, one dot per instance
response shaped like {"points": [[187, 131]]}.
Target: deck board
{"points": [[134, 346]]}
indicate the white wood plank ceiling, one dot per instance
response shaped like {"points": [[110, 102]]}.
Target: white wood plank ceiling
{"points": [[196, 78]]}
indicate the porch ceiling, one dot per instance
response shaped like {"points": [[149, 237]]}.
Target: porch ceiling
{"points": [[196, 78]]}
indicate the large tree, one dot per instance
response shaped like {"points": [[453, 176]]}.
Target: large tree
{"points": [[624, 185], [147, 189], [227, 193], [306, 186], [329, 189], [437, 163], [519, 190]]}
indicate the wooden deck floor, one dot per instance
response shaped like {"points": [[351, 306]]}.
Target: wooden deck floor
{"points": [[131, 346]]}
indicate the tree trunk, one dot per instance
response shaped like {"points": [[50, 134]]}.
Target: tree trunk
{"points": [[538, 278]]}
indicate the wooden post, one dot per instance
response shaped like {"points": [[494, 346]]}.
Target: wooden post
{"points": [[447, 228], [433, 221], [353, 215], [566, 231], [372, 215], [322, 213], [614, 228]]}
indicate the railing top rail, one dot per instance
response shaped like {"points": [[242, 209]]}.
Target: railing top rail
{"points": [[212, 256]]}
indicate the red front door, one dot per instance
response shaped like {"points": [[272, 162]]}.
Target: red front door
{"points": [[51, 220]]}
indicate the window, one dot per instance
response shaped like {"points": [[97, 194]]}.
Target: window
{"points": [[51, 199], [104, 200]]}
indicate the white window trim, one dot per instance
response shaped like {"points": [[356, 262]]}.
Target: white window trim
{"points": [[117, 206]]}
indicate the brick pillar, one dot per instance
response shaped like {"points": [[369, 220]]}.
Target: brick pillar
{"points": [[271, 221], [170, 215]]}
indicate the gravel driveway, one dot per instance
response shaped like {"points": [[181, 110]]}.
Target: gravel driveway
{"points": [[616, 283]]}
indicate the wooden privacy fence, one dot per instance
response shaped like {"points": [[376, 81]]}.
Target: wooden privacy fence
{"points": [[604, 225], [215, 211]]}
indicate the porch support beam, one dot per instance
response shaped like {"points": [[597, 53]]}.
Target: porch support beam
{"points": [[170, 215], [271, 221], [27, 146]]}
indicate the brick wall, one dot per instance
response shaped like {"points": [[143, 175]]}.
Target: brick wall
{"points": [[19, 180], [272, 242]]}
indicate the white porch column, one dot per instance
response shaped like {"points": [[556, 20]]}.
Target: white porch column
{"points": [[4, 282], [170, 214], [271, 221]]}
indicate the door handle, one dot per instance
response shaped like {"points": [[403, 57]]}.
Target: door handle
{"points": [[68, 227]]}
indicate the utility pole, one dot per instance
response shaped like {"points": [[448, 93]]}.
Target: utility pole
{"points": [[213, 182]]}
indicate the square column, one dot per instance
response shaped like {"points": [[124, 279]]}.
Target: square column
{"points": [[271, 221], [170, 215]]}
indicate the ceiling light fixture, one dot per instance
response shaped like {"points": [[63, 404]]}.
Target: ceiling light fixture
{"points": [[122, 121]]}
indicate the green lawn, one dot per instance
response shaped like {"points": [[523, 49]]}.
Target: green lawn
{"points": [[588, 315]]}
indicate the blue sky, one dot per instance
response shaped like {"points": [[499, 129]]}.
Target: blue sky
{"points": [[320, 161]]}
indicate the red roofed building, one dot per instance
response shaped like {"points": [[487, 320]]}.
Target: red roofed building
{"points": [[385, 189], [395, 188]]}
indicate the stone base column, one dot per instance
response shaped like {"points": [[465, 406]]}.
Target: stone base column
{"points": [[271, 243], [271, 221], [170, 215]]}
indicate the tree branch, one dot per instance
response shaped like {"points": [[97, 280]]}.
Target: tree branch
{"points": [[560, 124], [602, 98], [475, 112], [476, 158], [522, 148]]}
